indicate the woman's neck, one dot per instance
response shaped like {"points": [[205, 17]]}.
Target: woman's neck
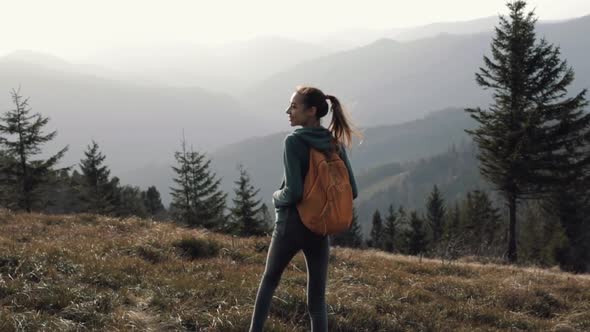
{"points": [[312, 125]]}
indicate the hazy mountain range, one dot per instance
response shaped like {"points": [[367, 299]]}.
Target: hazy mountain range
{"points": [[389, 81], [134, 123], [227, 68], [233, 66]]}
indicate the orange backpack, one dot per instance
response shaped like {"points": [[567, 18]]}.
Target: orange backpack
{"points": [[326, 206]]}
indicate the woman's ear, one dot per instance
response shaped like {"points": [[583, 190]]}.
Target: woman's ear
{"points": [[313, 110]]}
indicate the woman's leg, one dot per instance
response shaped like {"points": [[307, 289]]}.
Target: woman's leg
{"points": [[317, 254], [280, 252]]}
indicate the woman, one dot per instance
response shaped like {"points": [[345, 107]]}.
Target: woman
{"points": [[308, 106]]}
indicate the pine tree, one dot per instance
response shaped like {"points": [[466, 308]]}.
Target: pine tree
{"points": [[115, 190], [453, 223], [246, 210], [403, 225], [483, 227], [181, 207], [531, 133], [74, 203], [469, 220], [266, 217], [198, 200], [96, 190], [131, 202], [390, 230], [435, 214], [376, 239], [8, 179], [209, 199], [26, 178], [352, 237], [355, 232], [543, 239], [417, 235], [453, 241], [58, 196], [152, 201], [571, 206]]}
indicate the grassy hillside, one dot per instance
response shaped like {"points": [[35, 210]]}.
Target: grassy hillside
{"points": [[85, 271]]}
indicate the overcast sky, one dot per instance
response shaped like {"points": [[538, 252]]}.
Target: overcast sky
{"points": [[71, 28]]}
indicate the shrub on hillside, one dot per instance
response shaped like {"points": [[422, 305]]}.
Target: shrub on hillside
{"points": [[194, 248]]}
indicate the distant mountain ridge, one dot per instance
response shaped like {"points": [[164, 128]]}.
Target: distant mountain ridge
{"points": [[134, 123], [388, 81], [454, 171]]}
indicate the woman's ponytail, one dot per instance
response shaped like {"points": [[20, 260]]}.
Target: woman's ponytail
{"points": [[340, 126]]}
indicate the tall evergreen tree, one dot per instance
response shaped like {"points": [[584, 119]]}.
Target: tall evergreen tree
{"points": [[181, 207], [352, 237], [24, 176], [390, 230], [417, 234], [435, 214], [95, 190], [532, 130], [246, 210], [376, 235], [198, 201]]}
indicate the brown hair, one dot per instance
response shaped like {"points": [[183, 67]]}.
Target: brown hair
{"points": [[340, 126]]}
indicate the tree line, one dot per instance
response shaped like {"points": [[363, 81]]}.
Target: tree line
{"points": [[472, 226], [32, 184]]}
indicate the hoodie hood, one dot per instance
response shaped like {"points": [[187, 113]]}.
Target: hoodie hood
{"points": [[319, 138]]}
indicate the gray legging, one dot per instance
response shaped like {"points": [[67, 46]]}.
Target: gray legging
{"points": [[288, 238]]}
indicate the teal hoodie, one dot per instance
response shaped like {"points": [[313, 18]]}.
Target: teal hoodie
{"points": [[296, 165]]}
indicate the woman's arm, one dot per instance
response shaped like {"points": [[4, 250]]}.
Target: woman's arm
{"points": [[344, 157], [292, 190]]}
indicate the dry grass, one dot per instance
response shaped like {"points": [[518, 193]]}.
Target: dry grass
{"points": [[88, 272]]}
